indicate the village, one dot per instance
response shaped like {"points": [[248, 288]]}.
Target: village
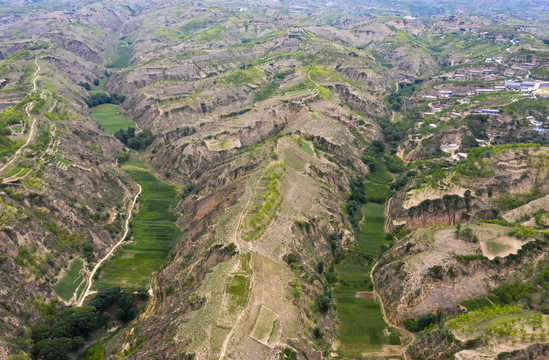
{"points": [[483, 89]]}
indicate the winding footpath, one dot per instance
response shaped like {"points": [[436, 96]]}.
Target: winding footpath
{"points": [[33, 125], [126, 229]]}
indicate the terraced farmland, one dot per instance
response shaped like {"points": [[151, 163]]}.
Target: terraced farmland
{"points": [[110, 120], [153, 233], [362, 328]]}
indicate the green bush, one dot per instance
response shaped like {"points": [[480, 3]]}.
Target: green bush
{"points": [[510, 292]]}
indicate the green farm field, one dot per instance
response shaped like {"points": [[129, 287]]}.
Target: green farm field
{"points": [[361, 322], [371, 236], [70, 281], [153, 230], [110, 120], [380, 174], [123, 56]]}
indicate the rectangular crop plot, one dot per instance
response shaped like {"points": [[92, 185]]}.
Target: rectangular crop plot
{"points": [[264, 324], [223, 143], [361, 324], [153, 230], [72, 278], [477, 304], [110, 120], [371, 236], [237, 291]]}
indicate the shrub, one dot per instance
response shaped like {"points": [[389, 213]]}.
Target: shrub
{"points": [[324, 303], [289, 354], [317, 333], [436, 272], [513, 291]]}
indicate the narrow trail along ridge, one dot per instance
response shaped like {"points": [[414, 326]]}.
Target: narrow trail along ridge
{"points": [[126, 229]]}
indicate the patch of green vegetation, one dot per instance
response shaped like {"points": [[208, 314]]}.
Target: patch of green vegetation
{"points": [[169, 33], [95, 352], [123, 56], [500, 323], [110, 120], [264, 324], [307, 148], [380, 174], [371, 236], [540, 72], [238, 289], [525, 107], [250, 75], [266, 91], [263, 214], [321, 75], [153, 231], [193, 25], [72, 278], [522, 232], [12, 116], [358, 136], [13, 172], [476, 304], [361, 324], [211, 34]]}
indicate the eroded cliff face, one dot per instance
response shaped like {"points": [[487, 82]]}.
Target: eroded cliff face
{"points": [[507, 174]]}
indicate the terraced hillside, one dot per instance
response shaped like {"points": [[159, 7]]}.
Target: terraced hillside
{"points": [[273, 180]]}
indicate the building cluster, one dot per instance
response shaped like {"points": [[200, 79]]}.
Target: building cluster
{"points": [[537, 87], [497, 59]]}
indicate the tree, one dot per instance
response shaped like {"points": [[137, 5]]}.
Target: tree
{"points": [[105, 297], [52, 349], [85, 85], [101, 97], [77, 343], [379, 146], [82, 321], [126, 308], [40, 332], [136, 142], [320, 267]]}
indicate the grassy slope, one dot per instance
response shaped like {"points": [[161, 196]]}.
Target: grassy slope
{"points": [[110, 120], [153, 229]]}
